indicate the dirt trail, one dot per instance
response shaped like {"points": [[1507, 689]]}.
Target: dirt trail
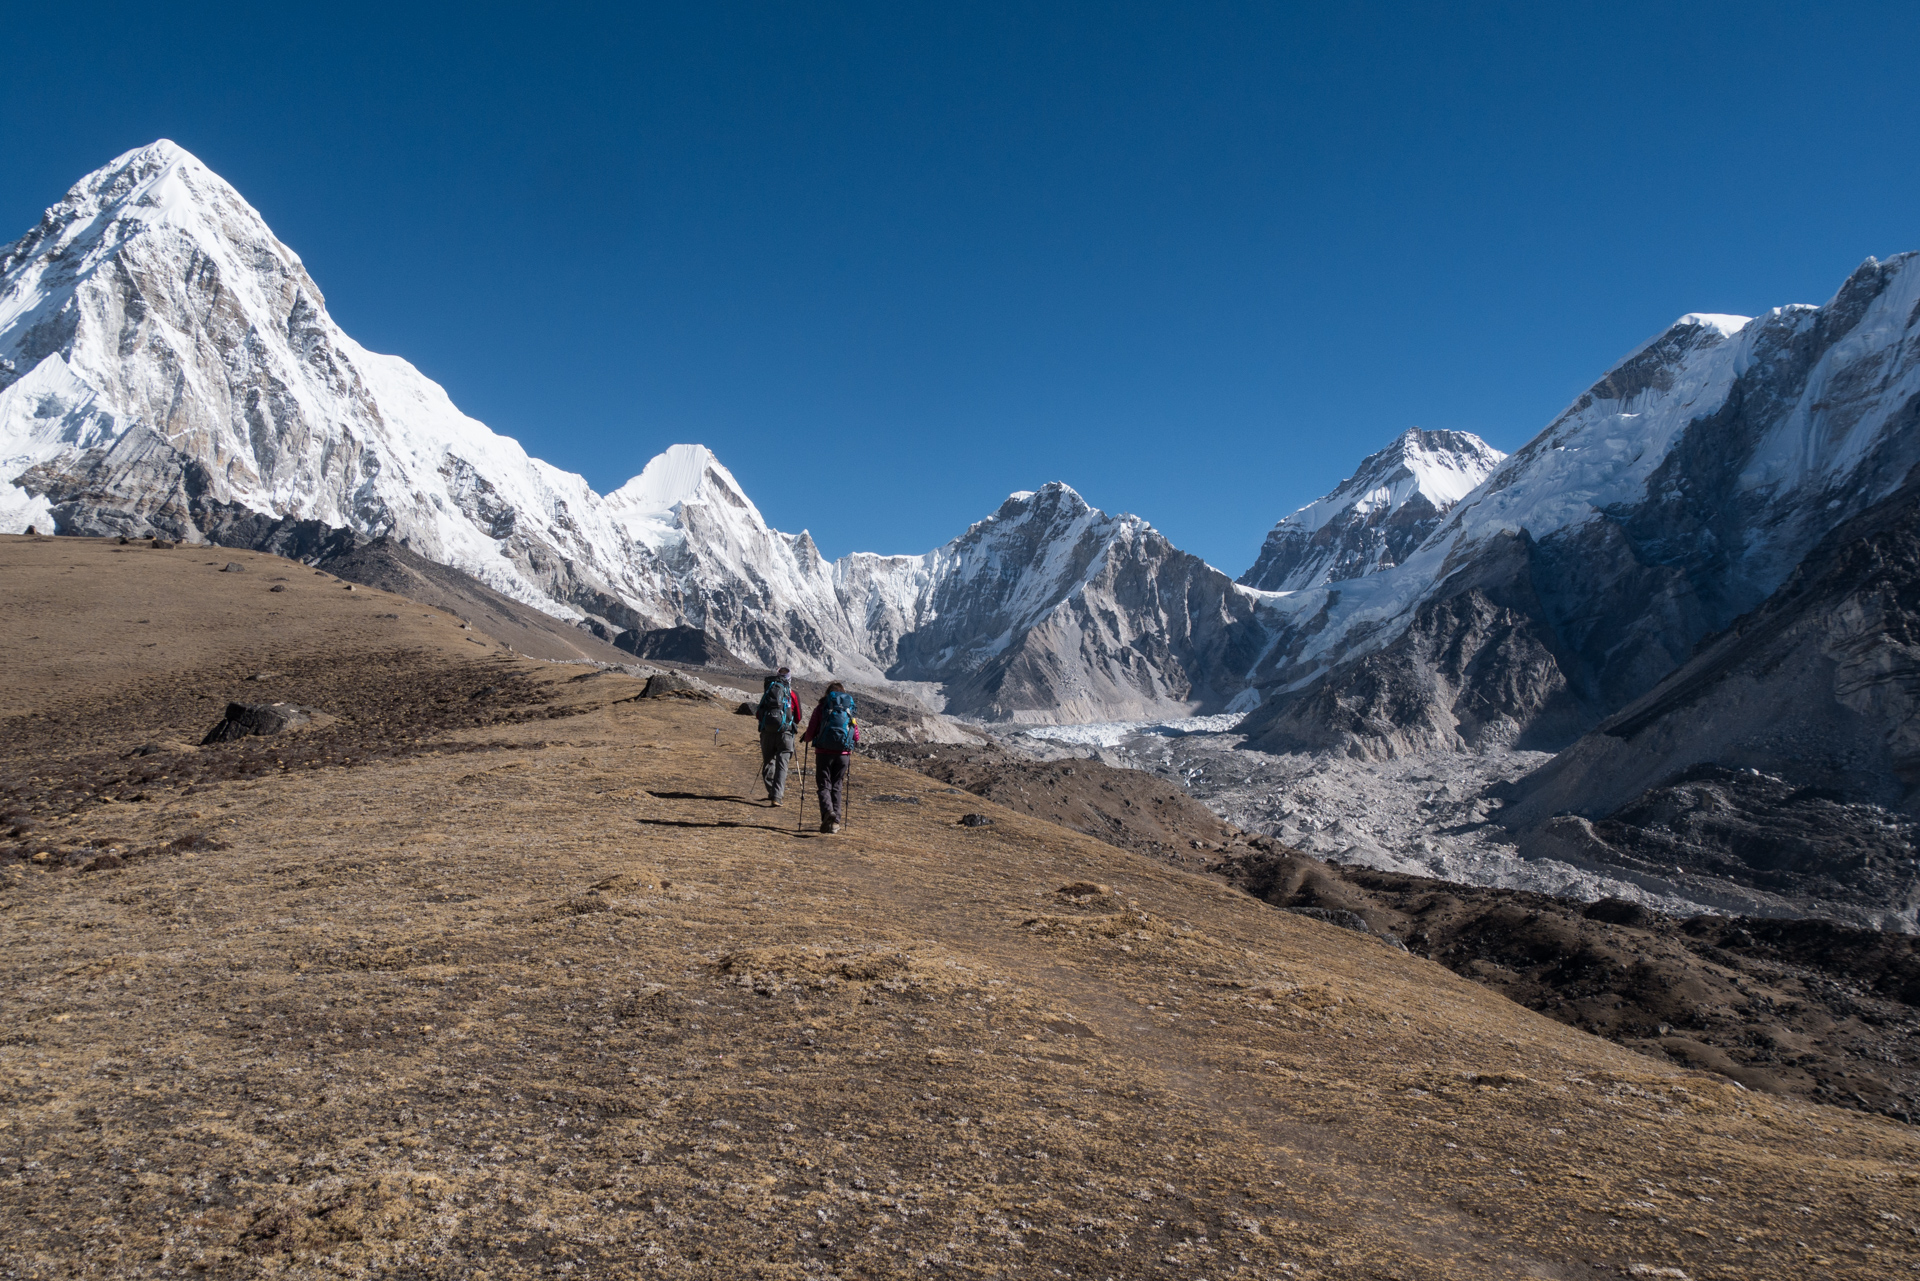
{"points": [[495, 974]]}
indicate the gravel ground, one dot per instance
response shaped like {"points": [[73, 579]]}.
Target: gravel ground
{"points": [[1424, 815]]}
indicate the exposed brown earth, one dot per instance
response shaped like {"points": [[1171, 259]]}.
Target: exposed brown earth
{"points": [[521, 984]]}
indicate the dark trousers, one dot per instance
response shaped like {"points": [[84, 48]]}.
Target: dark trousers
{"points": [[831, 773]]}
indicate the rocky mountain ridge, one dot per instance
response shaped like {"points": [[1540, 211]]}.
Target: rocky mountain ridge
{"points": [[1675, 495]]}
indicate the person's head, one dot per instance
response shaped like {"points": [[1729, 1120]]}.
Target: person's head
{"points": [[785, 671], [836, 688]]}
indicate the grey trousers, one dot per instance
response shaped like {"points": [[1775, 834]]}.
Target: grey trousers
{"points": [[830, 770], [776, 751]]}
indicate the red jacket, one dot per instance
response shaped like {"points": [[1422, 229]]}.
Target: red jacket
{"points": [[813, 725]]}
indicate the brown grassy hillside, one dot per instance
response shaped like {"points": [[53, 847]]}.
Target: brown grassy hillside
{"points": [[496, 971]]}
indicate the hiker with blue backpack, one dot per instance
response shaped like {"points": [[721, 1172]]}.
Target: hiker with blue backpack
{"points": [[834, 733], [779, 715]]}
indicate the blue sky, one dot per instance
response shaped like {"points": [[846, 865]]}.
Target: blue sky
{"points": [[892, 262]]}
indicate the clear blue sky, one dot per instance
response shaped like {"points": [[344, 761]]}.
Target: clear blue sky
{"points": [[894, 261]]}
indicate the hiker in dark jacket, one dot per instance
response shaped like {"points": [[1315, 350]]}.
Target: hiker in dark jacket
{"points": [[779, 718], [834, 733]]}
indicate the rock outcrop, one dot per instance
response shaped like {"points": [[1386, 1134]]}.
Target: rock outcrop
{"points": [[246, 720]]}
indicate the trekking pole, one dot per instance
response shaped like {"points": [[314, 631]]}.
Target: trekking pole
{"points": [[800, 817], [846, 800]]}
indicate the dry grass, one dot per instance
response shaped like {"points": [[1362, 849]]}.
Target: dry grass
{"points": [[570, 1005]]}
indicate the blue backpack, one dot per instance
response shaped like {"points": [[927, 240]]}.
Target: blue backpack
{"points": [[776, 706], [836, 724]]}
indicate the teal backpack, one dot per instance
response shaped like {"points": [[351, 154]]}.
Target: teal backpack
{"points": [[836, 724]]}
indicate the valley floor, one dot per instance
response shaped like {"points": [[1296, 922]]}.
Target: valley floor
{"points": [[500, 972]]}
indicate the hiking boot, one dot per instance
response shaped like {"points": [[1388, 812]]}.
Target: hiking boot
{"points": [[829, 828]]}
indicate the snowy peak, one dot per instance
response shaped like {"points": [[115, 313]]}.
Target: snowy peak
{"points": [[161, 187], [684, 475], [1055, 499], [1376, 517]]}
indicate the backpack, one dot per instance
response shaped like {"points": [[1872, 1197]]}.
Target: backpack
{"points": [[836, 724], [776, 706]]}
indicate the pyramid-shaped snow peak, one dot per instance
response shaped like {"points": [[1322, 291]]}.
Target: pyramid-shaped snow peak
{"points": [[648, 505], [1376, 517]]}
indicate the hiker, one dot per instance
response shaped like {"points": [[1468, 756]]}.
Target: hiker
{"points": [[779, 718], [834, 732]]}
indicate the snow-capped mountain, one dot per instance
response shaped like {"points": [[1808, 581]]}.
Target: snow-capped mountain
{"points": [[1676, 494], [1376, 517], [167, 365], [1051, 609]]}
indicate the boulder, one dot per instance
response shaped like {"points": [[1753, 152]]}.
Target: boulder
{"points": [[672, 685], [233, 567], [245, 719]]}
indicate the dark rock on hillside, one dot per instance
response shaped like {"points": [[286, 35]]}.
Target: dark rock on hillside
{"points": [[688, 645], [672, 685], [243, 720]]}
